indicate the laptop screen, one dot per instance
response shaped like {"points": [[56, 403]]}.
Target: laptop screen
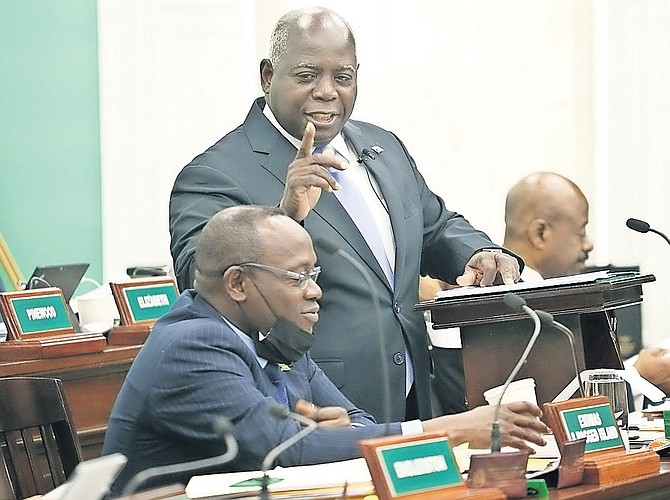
{"points": [[66, 277]]}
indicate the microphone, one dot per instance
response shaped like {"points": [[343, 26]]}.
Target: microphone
{"points": [[281, 412], [223, 429], [513, 301], [366, 153], [331, 248], [548, 320], [643, 227]]}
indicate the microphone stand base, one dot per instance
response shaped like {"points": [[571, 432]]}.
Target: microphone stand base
{"points": [[505, 471]]}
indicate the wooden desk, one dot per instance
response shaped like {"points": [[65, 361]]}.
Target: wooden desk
{"points": [[648, 488], [92, 382], [651, 488]]}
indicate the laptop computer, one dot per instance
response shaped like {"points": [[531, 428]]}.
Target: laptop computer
{"points": [[66, 277]]}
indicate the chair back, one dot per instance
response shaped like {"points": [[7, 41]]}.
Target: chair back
{"points": [[39, 444]]}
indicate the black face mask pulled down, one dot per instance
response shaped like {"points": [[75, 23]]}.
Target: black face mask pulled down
{"points": [[285, 343]]}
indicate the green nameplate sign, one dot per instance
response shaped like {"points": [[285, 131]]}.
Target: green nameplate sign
{"points": [[149, 302], [413, 466], [419, 466], [594, 423], [42, 313], [39, 326], [143, 301]]}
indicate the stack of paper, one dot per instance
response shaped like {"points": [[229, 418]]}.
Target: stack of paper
{"points": [[309, 481], [467, 291]]}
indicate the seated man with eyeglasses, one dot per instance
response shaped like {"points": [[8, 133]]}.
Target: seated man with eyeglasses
{"points": [[236, 345]]}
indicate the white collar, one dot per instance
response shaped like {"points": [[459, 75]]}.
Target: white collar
{"points": [[530, 275]]}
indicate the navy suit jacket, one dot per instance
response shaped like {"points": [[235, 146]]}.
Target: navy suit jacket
{"points": [[249, 165], [194, 368]]}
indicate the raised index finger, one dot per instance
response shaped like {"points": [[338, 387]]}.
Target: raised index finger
{"points": [[307, 143]]}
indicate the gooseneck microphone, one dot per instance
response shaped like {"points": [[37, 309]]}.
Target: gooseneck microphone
{"points": [[281, 412], [223, 429], [513, 301], [643, 227], [548, 320], [331, 248]]}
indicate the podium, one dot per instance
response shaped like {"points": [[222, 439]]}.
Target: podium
{"points": [[493, 336]]}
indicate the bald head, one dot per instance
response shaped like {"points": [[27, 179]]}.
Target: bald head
{"points": [[231, 237], [306, 20], [545, 223], [541, 194]]}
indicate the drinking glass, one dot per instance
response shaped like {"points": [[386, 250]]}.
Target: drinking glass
{"points": [[610, 384]]}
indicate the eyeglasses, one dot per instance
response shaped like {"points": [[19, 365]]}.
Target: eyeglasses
{"points": [[301, 278]]}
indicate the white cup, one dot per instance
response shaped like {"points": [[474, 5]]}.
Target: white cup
{"points": [[519, 390], [97, 310]]}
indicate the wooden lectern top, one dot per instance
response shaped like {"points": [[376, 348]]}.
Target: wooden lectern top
{"points": [[592, 292]]}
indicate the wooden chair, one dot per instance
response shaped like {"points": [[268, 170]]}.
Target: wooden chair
{"points": [[39, 444]]}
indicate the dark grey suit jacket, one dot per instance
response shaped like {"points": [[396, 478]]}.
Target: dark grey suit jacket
{"points": [[194, 368], [248, 166]]}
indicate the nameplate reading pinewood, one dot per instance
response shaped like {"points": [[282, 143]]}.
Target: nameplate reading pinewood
{"points": [[37, 313], [39, 326]]}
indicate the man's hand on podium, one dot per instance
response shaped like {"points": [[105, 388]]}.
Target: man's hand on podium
{"points": [[485, 266]]}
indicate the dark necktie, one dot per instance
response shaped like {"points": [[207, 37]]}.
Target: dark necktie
{"points": [[277, 378], [352, 200]]}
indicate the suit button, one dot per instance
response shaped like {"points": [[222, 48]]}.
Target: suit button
{"points": [[396, 307], [398, 358]]}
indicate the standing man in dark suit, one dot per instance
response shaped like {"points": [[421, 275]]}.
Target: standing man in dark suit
{"points": [[236, 345], [379, 210]]}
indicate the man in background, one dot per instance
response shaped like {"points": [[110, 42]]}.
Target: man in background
{"points": [[356, 189], [236, 346], [545, 224]]}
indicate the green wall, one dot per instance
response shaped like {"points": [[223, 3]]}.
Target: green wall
{"points": [[50, 201]]}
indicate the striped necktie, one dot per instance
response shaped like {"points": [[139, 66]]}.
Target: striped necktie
{"points": [[276, 376]]}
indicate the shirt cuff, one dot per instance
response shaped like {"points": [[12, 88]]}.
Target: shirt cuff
{"points": [[522, 264], [640, 386], [411, 427]]}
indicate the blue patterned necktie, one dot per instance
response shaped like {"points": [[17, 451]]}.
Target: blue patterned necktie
{"points": [[352, 200], [277, 378]]}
